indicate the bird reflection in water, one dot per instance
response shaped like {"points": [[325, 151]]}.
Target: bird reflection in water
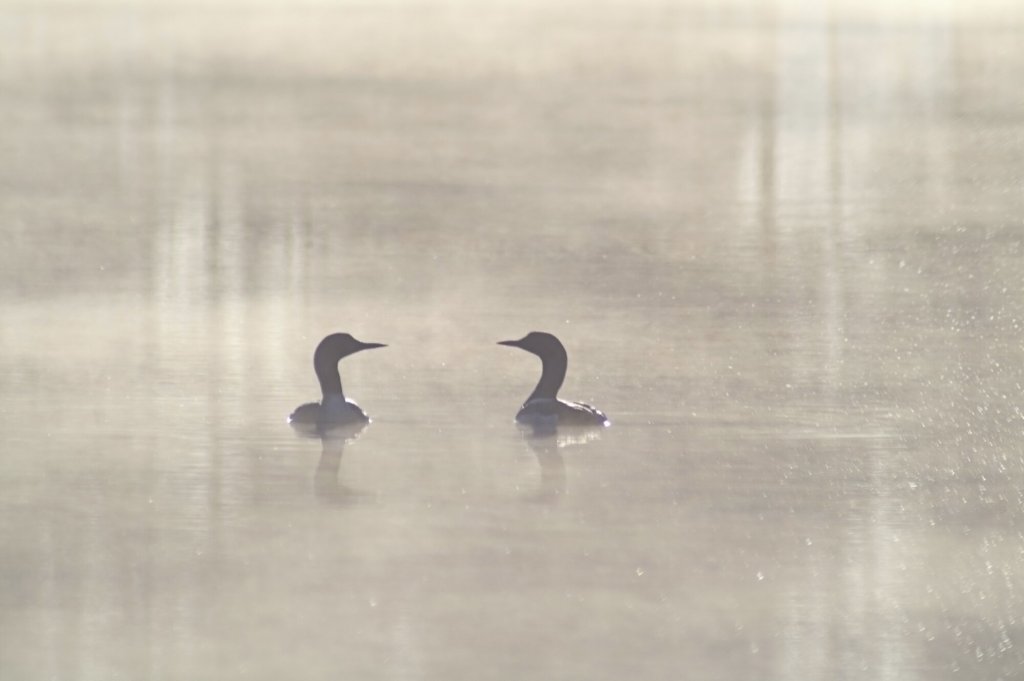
{"points": [[547, 441], [327, 487]]}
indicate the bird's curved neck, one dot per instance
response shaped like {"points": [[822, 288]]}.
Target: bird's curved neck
{"points": [[551, 376], [327, 374]]}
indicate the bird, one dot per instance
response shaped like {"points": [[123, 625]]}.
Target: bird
{"points": [[334, 410], [542, 409]]}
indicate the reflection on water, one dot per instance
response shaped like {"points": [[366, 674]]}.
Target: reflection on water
{"points": [[785, 237], [327, 485], [552, 472], [547, 441]]}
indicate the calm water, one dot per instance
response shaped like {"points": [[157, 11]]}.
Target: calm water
{"points": [[783, 244]]}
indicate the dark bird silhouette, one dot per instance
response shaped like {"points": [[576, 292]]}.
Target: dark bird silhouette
{"points": [[542, 409], [333, 410]]}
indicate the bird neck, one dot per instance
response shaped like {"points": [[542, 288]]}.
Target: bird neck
{"points": [[327, 374], [551, 376]]}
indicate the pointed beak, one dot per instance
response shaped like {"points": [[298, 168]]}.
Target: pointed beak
{"points": [[371, 346], [514, 344]]}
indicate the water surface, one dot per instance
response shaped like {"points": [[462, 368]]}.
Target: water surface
{"points": [[782, 243]]}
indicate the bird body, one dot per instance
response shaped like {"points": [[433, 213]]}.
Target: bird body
{"points": [[544, 411], [334, 409], [542, 408]]}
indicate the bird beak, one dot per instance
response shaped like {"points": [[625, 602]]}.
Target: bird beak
{"points": [[514, 344], [371, 346]]}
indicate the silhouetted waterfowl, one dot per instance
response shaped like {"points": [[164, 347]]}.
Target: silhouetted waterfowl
{"points": [[542, 408], [333, 410]]}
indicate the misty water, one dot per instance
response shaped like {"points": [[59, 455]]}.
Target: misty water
{"points": [[782, 242]]}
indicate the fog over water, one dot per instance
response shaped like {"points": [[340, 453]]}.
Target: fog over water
{"points": [[783, 243]]}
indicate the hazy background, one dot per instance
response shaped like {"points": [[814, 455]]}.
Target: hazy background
{"points": [[782, 242]]}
